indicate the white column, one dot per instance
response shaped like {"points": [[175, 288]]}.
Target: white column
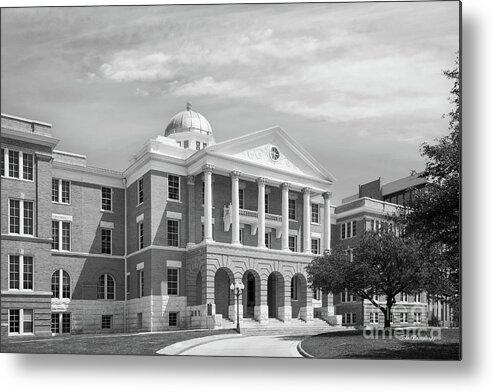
{"points": [[261, 213], [307, 218], [285, 217], [207, 202], [235, 207], [326, 228]]}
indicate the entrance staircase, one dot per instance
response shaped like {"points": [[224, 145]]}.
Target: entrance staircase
{"points": [[250, 327]]}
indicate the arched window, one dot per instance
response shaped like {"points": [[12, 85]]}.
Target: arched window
{"points": [[106, 287], [60, 284]]}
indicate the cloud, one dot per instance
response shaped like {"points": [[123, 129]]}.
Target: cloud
{"points": [[129, 66], [141, 93], [209, 86]]}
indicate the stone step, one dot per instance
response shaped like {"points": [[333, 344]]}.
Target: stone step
{"points": [[273, 326]]}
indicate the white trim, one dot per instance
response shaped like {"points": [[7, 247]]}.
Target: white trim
{"points": [[293, 232], [139, 266], [61, 217], [60, 187], [139, 218], [173, 264], [111, 198], [11, 117], [202, 220], [316, 235], [55, 252], [107, 225], [174, 215]]}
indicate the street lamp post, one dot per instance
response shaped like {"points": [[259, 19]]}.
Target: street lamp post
{"points": [[237, 289]]}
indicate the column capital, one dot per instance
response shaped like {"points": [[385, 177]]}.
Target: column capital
{"points": [[306, 190], [261, 180], [207, 168], [327, 195], [191, 180], [285, 185], [235, 174]]}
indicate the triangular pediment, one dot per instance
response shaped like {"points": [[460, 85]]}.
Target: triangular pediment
{"points": [[272, 148]]}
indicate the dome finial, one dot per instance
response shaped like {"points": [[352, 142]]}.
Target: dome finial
{"points": [[189, 105]]}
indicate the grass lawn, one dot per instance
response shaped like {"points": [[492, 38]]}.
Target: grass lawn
{"points": [[138, 344], [352, 344]]}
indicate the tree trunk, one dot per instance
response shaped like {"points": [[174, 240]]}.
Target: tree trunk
{"points": [[388, 312]]}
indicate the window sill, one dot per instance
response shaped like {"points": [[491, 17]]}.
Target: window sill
{"points": [[107, 211], [174, 200], [22, 235], [61, 203], [138, 205], [17, 179]]}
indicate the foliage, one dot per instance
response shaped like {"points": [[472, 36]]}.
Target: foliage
{"points": [[433, 216], [383, 264]]}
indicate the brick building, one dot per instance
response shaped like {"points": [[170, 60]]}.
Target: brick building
{"points": [[369, 209], [90, 250]]}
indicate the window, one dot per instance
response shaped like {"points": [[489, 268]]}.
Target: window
{"points": [[349, 318], [417, 297], [241, 198], [294, 288], [173, 319], [106, 198], [204, 145], [292, 209], [60, 320], [267, 203], [348, 230], [404, 297], [141, 283], [60, 284], [268, 240], [140, 235], [292, 243], [60, 191], [106, 321], [274, 153], [242, 236], [179, 144], [373, 318], [139, 320], [417, 318], [140, 191], [21, 217], [347, 297], [172, 281], [316, 294], [21, 321], [60, 231], [173, 187], [197, 146], [14, 163], [315, 213], [316, 246], [404, 318], [185, 144], [173, 233], [106, 241], [20, 272], [106, 287], [27, 166], [350, 254]]}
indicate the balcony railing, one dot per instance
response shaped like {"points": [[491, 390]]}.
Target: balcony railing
{"points": [[251, 218]]}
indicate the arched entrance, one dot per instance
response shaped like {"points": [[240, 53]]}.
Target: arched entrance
{"points": [[298, 295], [222, 294], [275, 293], [198, 289], [251, 293]]}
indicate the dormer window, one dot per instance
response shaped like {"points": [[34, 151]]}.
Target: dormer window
{"points": [[197, 146], [185, 144]]}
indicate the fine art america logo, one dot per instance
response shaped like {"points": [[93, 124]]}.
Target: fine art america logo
{"points": [[410, 333]]}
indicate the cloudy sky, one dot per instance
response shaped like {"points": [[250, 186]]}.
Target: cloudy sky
{"points": [[360, 85]]}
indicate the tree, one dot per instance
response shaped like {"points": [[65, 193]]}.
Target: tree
{"points": [[383, 264], [433, 216]]}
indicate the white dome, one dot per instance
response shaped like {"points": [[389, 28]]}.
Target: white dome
{"points": [[187, 121]]}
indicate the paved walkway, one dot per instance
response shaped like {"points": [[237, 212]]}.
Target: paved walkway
{"points": [[237, 346]]}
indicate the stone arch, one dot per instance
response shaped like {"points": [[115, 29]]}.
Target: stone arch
{"points": [[299, 296], [222, 294], [251, 293], [275, 293]]}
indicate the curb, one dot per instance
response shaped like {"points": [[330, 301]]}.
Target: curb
{"points": [[303, 352], [181, 347]]}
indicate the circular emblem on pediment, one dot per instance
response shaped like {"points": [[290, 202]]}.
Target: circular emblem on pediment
{"points": [[274, 153]]}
